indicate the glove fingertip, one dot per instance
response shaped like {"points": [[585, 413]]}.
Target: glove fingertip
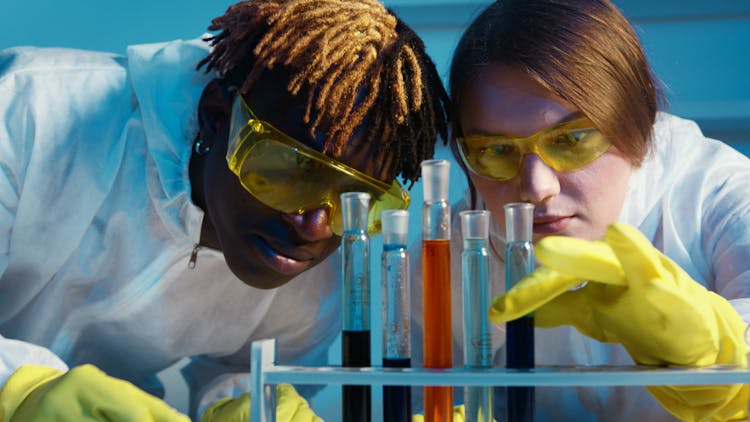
{"points": [[495, 316], [640, 260], [624, 235], [498, 312]]}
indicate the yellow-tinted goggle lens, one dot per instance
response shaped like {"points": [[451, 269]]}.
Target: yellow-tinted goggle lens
{"points": [[566, 147], [293, 178]]}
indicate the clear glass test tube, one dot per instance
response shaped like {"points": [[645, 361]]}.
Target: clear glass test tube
{"points": [[476, 294], [436, 285], [396, 311], [519, 261], [355, 276]]}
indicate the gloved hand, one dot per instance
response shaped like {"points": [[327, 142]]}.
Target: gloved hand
{"points": [[290, 407], [638, 297], [458, 415], [38, 393]]}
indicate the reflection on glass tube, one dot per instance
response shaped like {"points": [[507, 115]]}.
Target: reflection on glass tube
{"points": [[475, 291]]}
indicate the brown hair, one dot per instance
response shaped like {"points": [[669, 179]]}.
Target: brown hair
{"points": [[584, 51], [357, 63]]}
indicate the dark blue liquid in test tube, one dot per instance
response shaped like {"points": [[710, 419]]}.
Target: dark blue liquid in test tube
{"points": [[396, 311], [355, 281]]}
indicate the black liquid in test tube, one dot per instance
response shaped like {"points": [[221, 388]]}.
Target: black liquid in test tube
{"points": [[355, 399], [520, 348], [519, 261]]}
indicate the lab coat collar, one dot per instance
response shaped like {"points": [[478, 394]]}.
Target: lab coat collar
{"points": [[167, 88]]}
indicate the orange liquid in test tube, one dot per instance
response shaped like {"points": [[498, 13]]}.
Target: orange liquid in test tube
{"points": [[438, 351]]}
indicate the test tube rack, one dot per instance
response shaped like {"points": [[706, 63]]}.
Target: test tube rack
{"points": [[265, 374]]}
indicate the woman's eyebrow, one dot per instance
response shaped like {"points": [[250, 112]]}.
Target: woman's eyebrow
{"points": [[565, 119], [571, 116]]}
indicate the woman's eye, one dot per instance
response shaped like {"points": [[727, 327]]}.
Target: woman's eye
{"points": [[565, 140]]}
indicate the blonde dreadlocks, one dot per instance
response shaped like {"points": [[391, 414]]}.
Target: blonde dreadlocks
{"points": [[356, 62]]}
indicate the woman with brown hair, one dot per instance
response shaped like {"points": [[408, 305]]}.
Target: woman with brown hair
{"points": [[641, 224]]}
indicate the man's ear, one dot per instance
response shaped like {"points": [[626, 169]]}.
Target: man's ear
{"points": [[214, 110]]}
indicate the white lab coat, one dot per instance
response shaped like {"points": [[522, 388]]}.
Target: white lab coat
{"points": [[97, 229], [691, 198]]}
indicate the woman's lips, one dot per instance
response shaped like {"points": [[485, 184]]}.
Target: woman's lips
{"points": [[280, 262], [551, 224]]}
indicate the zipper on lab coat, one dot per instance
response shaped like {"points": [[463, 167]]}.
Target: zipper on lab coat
{"points": [[193, 256]]}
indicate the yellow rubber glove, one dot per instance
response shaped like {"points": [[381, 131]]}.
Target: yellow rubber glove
{"points": [[290, 407], [458, 415], [638, 297], [38, 393]]}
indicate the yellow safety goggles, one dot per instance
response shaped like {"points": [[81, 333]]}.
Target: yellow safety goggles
{"points": [[291, 177], [565, 147]]}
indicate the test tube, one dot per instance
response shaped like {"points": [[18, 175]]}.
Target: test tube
{"points": [[355, 277], [519, 261], [475, 289], [396, 311], [436, 285]]}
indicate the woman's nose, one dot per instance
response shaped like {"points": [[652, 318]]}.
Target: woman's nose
{"points": [[311, 225], [539, 182]]}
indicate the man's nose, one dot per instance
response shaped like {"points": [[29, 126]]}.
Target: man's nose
{"points": [[539, 182], [312, 225]]}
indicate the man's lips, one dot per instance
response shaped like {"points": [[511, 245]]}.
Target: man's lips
{"points": [[282, 261], [550, 224]]}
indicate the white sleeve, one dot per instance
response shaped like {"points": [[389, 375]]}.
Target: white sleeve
{"points": [[726, 237], [742, 306], [14, 137], [726, 229], [731, 263], [17, 353]]}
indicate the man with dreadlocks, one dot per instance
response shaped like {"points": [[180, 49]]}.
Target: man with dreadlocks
{"points": [[183, 201]]}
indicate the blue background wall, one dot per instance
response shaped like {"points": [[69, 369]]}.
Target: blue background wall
{"points": [[699, 49]]}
